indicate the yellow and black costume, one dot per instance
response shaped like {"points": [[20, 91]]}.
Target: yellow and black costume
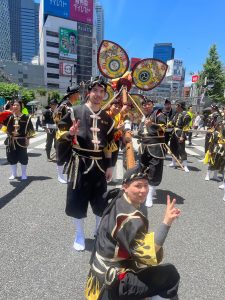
{"points": [[215, 155], [19, 129], [212, 122], [181, 125], [124, 262]]}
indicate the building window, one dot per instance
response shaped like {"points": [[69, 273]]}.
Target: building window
{"points": [[52, 33], [25, 76], [52, 44], [54, 55], [52, 65], [52, 75], [53, 85]]}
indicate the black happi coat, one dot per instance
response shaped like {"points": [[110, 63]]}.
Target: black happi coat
{"points": [[123, 242], [25, 130], [153, 140]]}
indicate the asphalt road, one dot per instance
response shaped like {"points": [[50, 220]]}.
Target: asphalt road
{"points": [[37, 260]]}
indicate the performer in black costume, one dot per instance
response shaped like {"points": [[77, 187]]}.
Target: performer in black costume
{"points": [[124, 262], [212, 120], [151, 136], [63, 149], [49, 125], [19, 129], [181, 125], [169, 113], [90, 140]]}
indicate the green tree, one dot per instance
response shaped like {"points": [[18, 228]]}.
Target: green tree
{"points": [[27, 95], [214, 73], [9, 91], [41, 91], [53, 95]]}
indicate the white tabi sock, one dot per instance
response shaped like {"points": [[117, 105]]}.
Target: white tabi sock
{"points": [[222, 186], [215, 175], [186, 166], [207, 176], [24, 172], [151, 191], [173, 163], [79, 242], [60, 174], [13, 171]]}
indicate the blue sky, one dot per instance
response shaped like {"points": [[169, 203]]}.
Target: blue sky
{"points": [[191, 25]]}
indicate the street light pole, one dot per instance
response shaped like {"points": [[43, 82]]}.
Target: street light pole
{"points": [[71, 75]]}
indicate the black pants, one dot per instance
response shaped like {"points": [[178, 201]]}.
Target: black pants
{"points": [[177, 148], [167, 137], [63, 152], [49, 141], [162, 280], [90, 188], [19, 154], [155, 167], [189, 136]]}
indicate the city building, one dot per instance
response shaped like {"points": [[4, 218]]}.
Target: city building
{"points": [[22, 73], [163, 51], [68, 45], [24, 29], [99, 23], [4, 30]]}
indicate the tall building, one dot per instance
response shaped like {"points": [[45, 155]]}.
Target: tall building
{"points": [[4, 30], [163, 51], [24, 29], [67, 42], [99, 23]]}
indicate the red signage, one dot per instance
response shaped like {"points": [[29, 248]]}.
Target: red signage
{"points": [[195, 78], [133, 61]]}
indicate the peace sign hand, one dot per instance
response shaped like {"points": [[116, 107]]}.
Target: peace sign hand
{"points": [[172, 212], [74, 128]]}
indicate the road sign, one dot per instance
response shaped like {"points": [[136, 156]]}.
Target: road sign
{"points": [[195, 78]]}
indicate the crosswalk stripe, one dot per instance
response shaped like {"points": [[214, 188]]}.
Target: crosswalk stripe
{"points": [[199, 139], [200, 148], [37, 139], [40, 146], [189, 151]]}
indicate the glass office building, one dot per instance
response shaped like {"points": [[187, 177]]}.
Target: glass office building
{"points": [[24, 30], [4, 31], [163, 51]]}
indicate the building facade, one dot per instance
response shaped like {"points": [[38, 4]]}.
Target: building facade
{"points": [[68, 45], [23, 74], [23, 27], [5, 43], [163, 51], [99, 23]]}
